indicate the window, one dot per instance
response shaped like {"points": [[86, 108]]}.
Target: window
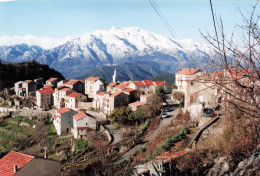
{"points": [[191, 83]]}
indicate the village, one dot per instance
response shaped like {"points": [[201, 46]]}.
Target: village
{"points": [[80, 108]]}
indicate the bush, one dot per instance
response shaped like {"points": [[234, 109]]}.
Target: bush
{"points": [[174, 139], [81, 144]]}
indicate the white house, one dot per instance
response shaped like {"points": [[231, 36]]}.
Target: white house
{"points": [[63, 120], [82, 123], [59, 96], [44, 97], [73, 99], [94, 85], [184, 75]]}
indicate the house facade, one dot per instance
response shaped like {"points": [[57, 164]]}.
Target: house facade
{"points": [[82, 123], [184, 75], [59, 96], [106, 102], [52, 81], [75, 84], [44, 97], [23, 88], [63, 120], [72, 100], [94, 85]]}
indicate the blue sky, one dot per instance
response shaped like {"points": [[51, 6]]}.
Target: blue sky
{"points": [[60, 18]]}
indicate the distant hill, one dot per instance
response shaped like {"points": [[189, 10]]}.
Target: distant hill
{"points": [[11, 73], [125, 72], [167, 77]]}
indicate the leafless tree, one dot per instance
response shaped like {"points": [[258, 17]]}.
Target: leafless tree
{"points": [[234, 68]]}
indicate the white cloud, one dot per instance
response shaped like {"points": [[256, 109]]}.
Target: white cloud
{"points": [[7, 0], [44, 42]]}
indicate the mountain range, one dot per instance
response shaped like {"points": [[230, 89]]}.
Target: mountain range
{"points": [[136, 53]]}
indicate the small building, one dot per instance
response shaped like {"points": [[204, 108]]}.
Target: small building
{"points": [[52, 81], [82, 123], [145, 98], [183, 76], [59, 96], [44, 97], [111, 86], [134, 106], [122, 86], [106, 102], [75, 84], [63, 120], [15, 163], [94, 85], [23, 88], [73, 99]]}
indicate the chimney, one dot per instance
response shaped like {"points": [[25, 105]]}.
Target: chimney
{"points": [[15, 168]]}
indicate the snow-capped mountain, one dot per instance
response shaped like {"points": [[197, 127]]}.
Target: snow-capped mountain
{"points": [[114, 46]]}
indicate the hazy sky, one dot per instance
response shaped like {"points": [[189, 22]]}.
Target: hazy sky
{"points": [[61, 18]]}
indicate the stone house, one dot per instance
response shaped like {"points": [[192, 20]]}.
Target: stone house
{"points": [[15, 163], [82, 123], [23, 88], [75, 84], [94, 85], [72, 100], [44, 97], [134, 106], [145, 98], [120, 87], [106, 102], [63, 120]]}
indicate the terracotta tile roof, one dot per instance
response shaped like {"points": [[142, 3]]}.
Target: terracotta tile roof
{"points": [[112, 84], [92, 78], [160, 83], [72, 82], [137, 104], [52, 79], [13, 158], [138, 83], [115, 94], [46, 90], [73, 94], [128, 90], [48, 86], [27, 81], [122, 85], [101, 93], [187, 71], [148, 82], [63, 110], [60, 87], [79, 115], [65, 89], [169, 156]]}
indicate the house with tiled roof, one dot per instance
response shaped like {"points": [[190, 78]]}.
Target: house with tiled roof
{"points": [[59, 96], [75, 84], [122, 86], [184, 75], [94, 85], [111, 86], [135, 105], [63, 120], [52, 81], [44, 97], [106, 102], [72, 100], [82, 124], [15, 163]]}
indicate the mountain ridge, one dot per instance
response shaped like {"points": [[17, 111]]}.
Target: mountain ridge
{"points": [[114, 46]]}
